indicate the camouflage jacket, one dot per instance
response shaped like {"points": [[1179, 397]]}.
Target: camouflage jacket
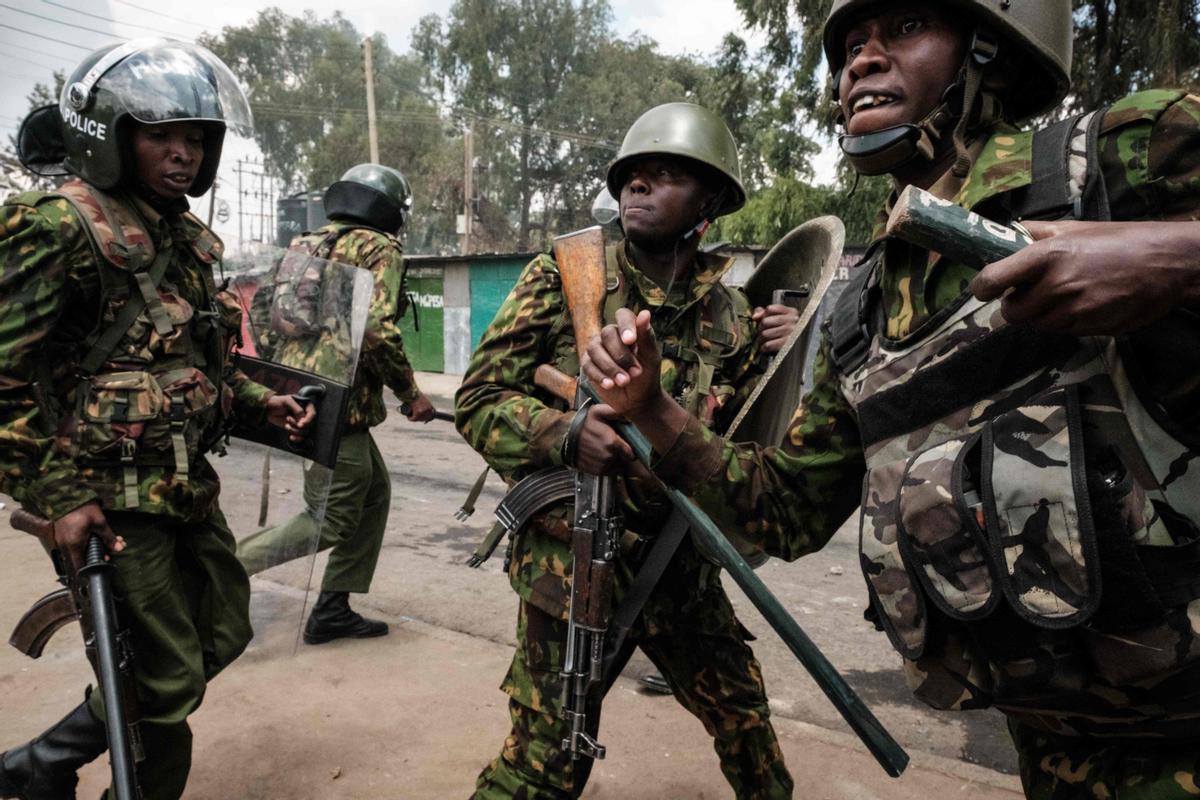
{"points": [[57, 433], [519, 428], [382, 361], [794, 496]]}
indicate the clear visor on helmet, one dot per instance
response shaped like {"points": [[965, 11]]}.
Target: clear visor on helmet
{"points": [[165, 81]]}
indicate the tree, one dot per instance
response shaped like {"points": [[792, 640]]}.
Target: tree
{"points": [[308, 94], [13, 175], [1125, 45], [549, 91]]}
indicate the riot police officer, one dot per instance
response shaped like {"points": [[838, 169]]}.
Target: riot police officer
{"points": [[369, 209], [114, 357]]}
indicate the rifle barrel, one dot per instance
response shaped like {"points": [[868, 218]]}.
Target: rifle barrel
{"points": [[98, 575]]}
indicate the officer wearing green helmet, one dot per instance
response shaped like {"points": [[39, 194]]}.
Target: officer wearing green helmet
{"points": [[677, 170], [1022, 437], [140, 127], [369, 210]]}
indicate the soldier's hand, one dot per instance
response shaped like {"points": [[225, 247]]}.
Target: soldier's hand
{"points": [[1096, 278], [421, 410], [284, 412], [73, 529], [600, 449], [623, 363], [775, 324]]}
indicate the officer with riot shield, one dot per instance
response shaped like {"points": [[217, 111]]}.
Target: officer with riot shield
{"points": [[369, 210]]}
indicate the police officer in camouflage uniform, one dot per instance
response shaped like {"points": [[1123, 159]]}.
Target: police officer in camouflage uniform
{"points": [[369, 211], [86, 439], [1023, 439], [677, 170]]}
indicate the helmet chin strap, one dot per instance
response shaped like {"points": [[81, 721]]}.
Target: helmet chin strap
{"points": [[887, 150]]}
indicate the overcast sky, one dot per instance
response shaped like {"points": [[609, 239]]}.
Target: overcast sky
{"points": [[38, 36]]}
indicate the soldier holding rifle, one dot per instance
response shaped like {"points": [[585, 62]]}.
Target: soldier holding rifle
{"points": [[676, 171], [1024, 433], [116, 379]]}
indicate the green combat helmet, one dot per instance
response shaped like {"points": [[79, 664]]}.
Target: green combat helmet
{"points": [[146, 81], [1037, 70], [371, 193], [687, 130]]}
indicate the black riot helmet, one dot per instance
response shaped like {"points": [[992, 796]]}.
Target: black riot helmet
{"points": [[145, 81], [373, 194]]}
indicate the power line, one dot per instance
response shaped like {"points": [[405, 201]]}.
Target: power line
{"points": [[107, 19], [44, 18], [159, 13], [35, 51], [47, 38], [27, 59]]}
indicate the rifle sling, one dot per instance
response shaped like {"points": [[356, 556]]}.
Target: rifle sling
{"points": [[661, 552]]}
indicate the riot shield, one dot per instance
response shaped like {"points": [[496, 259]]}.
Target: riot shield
{"points": [[796, 271], [303, 320]]}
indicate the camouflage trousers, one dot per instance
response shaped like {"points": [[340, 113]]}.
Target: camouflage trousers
{"points": [[1071, 768], [690, 633]]}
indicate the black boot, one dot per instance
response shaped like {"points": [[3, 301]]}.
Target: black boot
{"points": [[655, 682], [44, 769], [332, 618]]}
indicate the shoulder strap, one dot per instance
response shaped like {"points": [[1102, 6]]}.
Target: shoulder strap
{"points": [[1067, 181], [147, 283], [849, 326], [614, 285], [119, 241]]}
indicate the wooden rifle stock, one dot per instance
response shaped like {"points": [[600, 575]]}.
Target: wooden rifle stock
{"points": [[580, 257], [557, 383]]}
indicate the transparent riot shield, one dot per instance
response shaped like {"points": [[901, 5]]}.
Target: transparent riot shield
{"points": [[302, 326]]}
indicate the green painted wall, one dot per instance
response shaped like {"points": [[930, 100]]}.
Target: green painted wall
{"points": [[425, 348], [490, 284]]}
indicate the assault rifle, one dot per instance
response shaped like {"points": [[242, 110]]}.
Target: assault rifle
{"points": [[597, 526], [88, 597], [582, 265]]}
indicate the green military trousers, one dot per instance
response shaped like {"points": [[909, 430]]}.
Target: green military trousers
{"points": [[185, 600], [1077, 768], [355, 519], [689, 631]]}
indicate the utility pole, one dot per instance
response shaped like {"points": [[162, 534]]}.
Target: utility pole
{"points": [[372, 132], [468, 187], [241, 197]]}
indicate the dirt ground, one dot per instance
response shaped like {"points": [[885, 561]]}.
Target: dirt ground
{"points": [[416, 714]]}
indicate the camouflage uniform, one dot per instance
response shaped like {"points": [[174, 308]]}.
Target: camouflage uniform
{"points": [[1099, 726], [183, 594], [687, 628], [360, 490]]}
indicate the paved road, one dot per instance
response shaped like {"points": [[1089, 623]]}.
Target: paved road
{"points": [[453, 632]]}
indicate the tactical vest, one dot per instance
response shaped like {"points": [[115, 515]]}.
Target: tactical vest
{"points": [[1028, 529], [291, 306], [148, 390], [695, 356]]}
